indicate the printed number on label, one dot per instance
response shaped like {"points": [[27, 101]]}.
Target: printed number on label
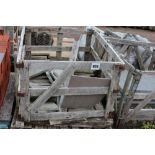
{"points": [[95, 66]]}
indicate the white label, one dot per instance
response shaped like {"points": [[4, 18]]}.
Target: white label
{"points": [[95, 66]]}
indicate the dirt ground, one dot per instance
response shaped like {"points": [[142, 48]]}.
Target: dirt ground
{"points": [[76, 31]]}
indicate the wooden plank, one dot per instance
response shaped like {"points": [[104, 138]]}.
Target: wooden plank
{"points": [[59, 43], [24, 96], [19, 56], [88, 56], [124, 48], [108, 47], [85, 101], [144, 115], [129, 42], [70, 91], [67, 115], [37, 67], [152, 63], [48, 107], [147, 99], [140, 62], [124, 95], [53, 88], [95, 55], [48, 48], [113, 34], [49, 77]]}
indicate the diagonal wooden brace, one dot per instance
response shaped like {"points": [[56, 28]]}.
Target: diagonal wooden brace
{"points": [[53, 88]]}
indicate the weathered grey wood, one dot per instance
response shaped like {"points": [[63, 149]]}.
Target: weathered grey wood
{"points": [[53, 88], [109, 104], [144, 115], [140, 62], [74, 51], [108, 47], [95, 55], [49, 77], [109, 32], [28, 37], [71, 91], [125, 91], [23, 90], [48, 107], [152, 61], [124, 48], [67, 115], [38, 66], [48, 48], [73, 57], [59, 43], [88, 55], [133, 87], [21, 46], [129, 42], [147, 99], [85, 101]]}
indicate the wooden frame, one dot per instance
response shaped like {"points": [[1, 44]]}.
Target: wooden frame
{"points": [[134, 99], [111, 64]]}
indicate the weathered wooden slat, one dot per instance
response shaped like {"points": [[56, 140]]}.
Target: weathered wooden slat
{"points": [[88, 55], [124, 48], [59, 43], [95, 55], [147, 99], [49, 77], [67, 115], [47, 48], [140, 62], [53, 88], [108, 47], [144, 114], [71, 91], [19, 56], [152, 60], [129, 42], [38, 66]]}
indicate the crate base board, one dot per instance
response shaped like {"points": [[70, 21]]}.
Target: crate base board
{"points": [[91, 123]]}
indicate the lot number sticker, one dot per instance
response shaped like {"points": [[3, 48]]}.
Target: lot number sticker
{"points": [[95, 66]]}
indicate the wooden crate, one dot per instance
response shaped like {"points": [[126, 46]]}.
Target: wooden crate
{"points": [[37, 90], [137, 99]]}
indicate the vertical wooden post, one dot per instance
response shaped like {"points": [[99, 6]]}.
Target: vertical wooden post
{"points": [[124, 95], [59, 43], [24, 92], [152, 63], [88, 55], [132, 90], [28, 42]]}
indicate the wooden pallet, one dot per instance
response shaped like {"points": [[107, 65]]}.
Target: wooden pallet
{"points": [[91, 123]]}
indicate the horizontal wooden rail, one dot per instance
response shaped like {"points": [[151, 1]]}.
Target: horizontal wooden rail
{"points": [[67, 115], [36, 67], [71, 91], [129, 42]]}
